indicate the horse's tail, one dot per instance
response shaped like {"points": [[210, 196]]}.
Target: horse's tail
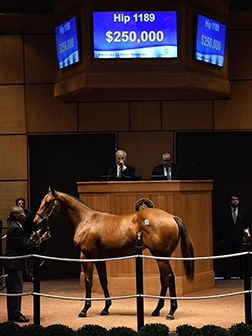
{"points": [[186, 248]]}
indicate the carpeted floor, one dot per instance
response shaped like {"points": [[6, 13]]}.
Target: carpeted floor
{"points": [[221, 311]]}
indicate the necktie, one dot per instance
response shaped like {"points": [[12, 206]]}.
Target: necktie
{"points": [[235, 215], [120, 172], [168, 174]]}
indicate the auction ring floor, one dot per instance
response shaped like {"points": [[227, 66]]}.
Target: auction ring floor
{"points": [[223, 312]]}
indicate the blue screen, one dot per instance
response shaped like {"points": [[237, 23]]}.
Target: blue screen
{"points": [[210, 41], [151, 34], [67, 43]]}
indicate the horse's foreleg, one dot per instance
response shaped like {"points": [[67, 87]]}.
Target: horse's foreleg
{"points": [[102, 272], [88, 273], [167, 280]]}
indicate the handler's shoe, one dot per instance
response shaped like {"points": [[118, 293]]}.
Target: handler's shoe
{"points": [[20, 318]]}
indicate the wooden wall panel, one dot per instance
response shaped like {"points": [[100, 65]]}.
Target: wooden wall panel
{"points": [[235, 113], [47, 114], [97, 202], [13, 157], [12, 109], [189, 207], [186, 115], [144, 149], [9, 192], [95, 117], [40, 58], [11, 59], [240, 65], [145, 116]]}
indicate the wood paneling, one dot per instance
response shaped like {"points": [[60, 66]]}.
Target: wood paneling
{"points": [[11, 59], [26, 24], [240, 65], [179, 115], [104, 117], [144, 149], [235, 113], [145, 116], [9, 192], [190, 200], [12, 109], [40, 58], [240, 19], [47, 114], [13, 157]]}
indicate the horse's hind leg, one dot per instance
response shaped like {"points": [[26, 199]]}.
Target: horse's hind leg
{"points": [[160, 305], [102, 272], [88, 268], [172, 289], [167, 280]]}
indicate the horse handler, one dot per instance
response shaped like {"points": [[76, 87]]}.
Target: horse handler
{"points": [[17, 245]]}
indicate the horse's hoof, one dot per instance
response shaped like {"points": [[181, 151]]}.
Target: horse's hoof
{"points": [[104, 313], [155, 313], [82, 314], [169, 317]]}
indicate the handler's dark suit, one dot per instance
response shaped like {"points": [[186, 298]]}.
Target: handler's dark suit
{"points": [[17, 245], [176, 170], [28, 226], [232, 235], [129, 171]]}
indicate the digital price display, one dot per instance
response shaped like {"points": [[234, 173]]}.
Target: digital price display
{"points": [[135, 34], [210, 41], [67, 43]]}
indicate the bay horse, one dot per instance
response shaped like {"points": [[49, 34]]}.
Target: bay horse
{"points": [[101, 235]]}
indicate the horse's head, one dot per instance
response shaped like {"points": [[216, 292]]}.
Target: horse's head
{"points": [[49, 208]]}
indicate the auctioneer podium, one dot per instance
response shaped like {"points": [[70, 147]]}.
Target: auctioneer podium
{"points": [[191, 200]]}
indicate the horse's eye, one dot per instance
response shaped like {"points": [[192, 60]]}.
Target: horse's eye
{"points": [[47, 203]]}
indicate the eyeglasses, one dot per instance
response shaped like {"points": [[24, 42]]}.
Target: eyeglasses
{"points": [[22, 214]]}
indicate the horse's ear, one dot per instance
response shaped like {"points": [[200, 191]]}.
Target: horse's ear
{"points": [[51, 190]]}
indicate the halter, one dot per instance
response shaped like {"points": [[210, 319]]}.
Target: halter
{"points": [[47, 218]]}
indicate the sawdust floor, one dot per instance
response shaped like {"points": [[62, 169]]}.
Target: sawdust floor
{"points": [[221, 311]]}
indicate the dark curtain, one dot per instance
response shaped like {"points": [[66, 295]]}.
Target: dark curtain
{"points": [[61, 161], [224, 157]]}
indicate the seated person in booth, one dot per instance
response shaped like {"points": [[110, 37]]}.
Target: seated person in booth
{"points": [[17, 245], [121, 171], [167, 168]]}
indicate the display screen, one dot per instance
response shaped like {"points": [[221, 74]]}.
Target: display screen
{"points": [[67, 43], [210, 41], [134, 34]]}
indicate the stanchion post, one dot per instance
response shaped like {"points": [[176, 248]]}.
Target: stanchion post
{"points": [[247, 284], [139, 282], [36, 288]]}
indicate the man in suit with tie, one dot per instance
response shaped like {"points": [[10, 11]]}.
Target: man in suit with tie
{"points": [[233, 220], [121, 170], [28, 226], [167, 168], [17, 245]]}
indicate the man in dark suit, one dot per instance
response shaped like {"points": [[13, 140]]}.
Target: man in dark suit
{"points": [[17, 245], [168, 169], [120, 170], [233, 220], [28, 226]]}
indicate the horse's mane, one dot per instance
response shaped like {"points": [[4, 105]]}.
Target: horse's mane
{"points": [[78, 200]]}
